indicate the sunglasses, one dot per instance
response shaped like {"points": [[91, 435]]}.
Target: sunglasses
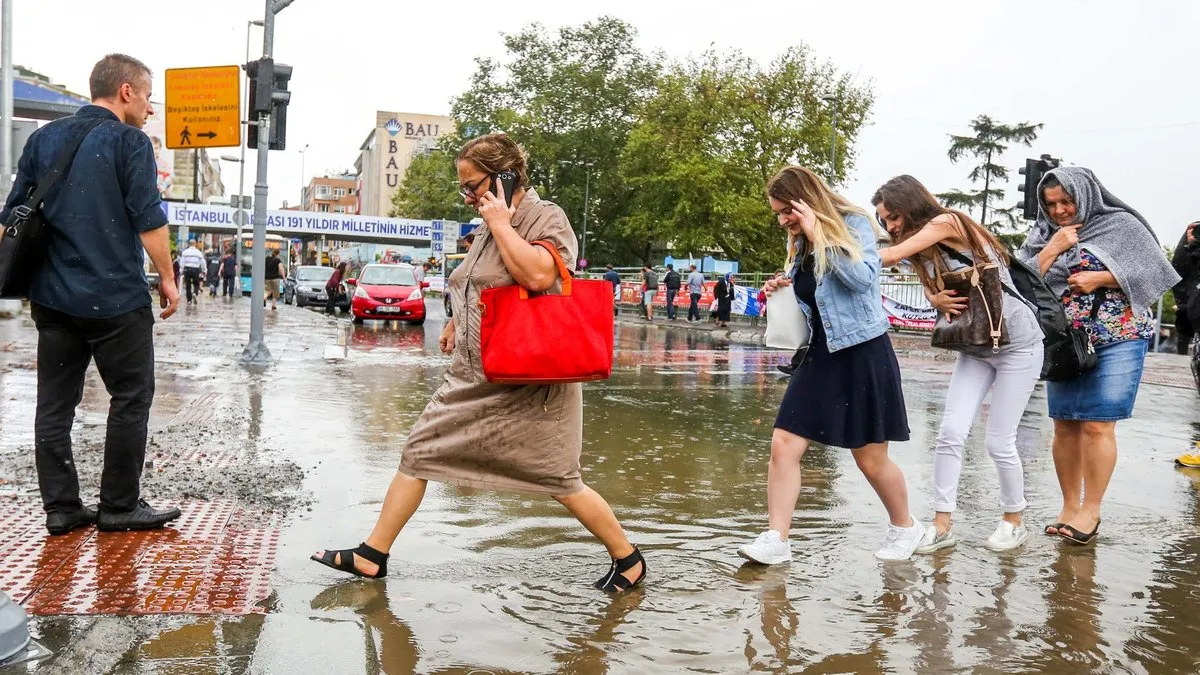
{"points": [[468, 191]]}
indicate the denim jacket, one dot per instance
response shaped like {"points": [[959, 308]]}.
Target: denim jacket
{"points": [[848, 295]]}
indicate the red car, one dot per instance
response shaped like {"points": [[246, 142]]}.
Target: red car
{"points": [[387, 293]]}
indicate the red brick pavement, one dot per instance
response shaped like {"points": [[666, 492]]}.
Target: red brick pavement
{"points": [[216, 559]]}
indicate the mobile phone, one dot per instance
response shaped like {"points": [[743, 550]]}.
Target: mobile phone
{"points": [[509, 180]]}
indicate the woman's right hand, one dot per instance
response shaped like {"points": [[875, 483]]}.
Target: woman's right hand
{"points": [[948, 302], [775, 284], [446, 340], [1064, 239]]}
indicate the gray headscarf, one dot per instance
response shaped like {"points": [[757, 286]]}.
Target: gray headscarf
{"points": [[1112, 231]]}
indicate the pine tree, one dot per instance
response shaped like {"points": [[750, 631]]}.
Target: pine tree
{"points": [[989, 143]]}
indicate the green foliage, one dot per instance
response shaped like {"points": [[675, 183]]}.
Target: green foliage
{"points": [[717, 129], [679, 152], [988, 144]]}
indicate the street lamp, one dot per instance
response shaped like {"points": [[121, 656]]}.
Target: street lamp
{"points": [[587, 179], [834, 104], [303, 187]]}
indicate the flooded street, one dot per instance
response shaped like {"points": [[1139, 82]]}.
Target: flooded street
{"points": [[678, 442]]}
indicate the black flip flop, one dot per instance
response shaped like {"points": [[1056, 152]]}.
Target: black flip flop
{"points": [[1076, 537]]}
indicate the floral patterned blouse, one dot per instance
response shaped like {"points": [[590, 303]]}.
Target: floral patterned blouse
{"points": [[1115, 322]]}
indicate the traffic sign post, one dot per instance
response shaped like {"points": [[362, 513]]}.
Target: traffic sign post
{"points": [[203, 107]]}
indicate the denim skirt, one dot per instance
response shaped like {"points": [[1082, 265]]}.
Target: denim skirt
{"points": [[1107, 392]]}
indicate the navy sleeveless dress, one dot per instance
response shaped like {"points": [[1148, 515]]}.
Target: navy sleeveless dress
{"points": [[849, 398]]}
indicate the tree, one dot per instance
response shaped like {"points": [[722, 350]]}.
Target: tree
{"points": [[989, 143], [430, 190], [717, 129], [570, 98]]}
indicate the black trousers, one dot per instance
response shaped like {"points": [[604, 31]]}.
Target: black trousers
{"points": [[1184, 330], [191, 279], [123, 347], [694, 308], [671, 293], [228, 285], [332, 295]]}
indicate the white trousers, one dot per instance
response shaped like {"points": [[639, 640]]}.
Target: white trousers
{"points": [[1011, 376]]}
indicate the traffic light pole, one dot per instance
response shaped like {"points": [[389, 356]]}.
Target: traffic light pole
{"points": [[256, 352]]}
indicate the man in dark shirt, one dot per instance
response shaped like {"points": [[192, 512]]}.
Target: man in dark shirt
{"points": [[1187, 298], [613, 278], [228, 273], [672, 282], [90, 299], [273, 278]]}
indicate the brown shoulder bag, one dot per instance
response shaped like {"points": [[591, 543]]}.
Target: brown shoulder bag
{"points": [[982, 323]]}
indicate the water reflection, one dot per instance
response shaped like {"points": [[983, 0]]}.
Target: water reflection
{"points": [[678, 442]]}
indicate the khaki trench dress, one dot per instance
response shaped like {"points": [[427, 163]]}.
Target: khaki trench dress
{"points": [[505, 437]]}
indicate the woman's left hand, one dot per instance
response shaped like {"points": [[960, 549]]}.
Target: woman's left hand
{"points": [[808, 219], [493, 208], [1087, 282]]}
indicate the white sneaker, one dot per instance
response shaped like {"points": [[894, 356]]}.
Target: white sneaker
{"points": [[901, 542], [768, 549], [937, 542], [1007, 537]]}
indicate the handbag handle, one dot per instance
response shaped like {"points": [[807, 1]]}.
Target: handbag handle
{"points": [[563, 272]]}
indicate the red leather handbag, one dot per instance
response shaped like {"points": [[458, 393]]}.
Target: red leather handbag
{"points": [[542, 338]]}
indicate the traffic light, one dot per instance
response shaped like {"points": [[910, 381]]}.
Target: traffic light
{"points": [[269, 94], [1033, 171]]}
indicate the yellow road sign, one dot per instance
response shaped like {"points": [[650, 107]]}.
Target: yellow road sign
{"points": [[204, 107]]}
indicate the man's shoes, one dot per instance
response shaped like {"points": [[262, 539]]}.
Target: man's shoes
{"points": [[786, 369], [142, 517], [62, 522]]}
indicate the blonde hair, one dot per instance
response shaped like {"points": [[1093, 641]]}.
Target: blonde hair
{"points": [[831, 235]]}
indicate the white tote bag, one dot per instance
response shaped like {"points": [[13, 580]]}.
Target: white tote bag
{"points": [[786, 326]]}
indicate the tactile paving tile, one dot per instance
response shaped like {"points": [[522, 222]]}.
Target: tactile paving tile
{"points": [[216, 559]]}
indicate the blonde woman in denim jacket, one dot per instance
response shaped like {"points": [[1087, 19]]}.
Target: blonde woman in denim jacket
{"points": [[846, 392]]}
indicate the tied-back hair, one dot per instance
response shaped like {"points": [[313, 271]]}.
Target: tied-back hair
{"points": [[831, 233], [497, 152], [906, 196]]}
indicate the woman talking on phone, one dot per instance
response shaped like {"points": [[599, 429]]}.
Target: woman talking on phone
{"points": [[846, 392], [518, 438]]}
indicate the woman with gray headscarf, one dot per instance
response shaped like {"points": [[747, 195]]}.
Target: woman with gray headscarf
{"points": [[1094, 248]]}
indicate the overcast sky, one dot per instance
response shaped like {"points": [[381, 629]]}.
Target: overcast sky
{"points": [[1115, 83]]}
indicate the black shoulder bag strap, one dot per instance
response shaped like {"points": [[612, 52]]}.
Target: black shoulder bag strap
{"points": [[62, 165]]}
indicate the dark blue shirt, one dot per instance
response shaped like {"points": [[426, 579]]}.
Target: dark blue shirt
{"points": [[613, 278], [95, 267]]}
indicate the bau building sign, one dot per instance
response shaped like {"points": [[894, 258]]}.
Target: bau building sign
{"points": [[294, 223], [388, 151]]}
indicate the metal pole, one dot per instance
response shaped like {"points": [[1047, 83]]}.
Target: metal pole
{"points": [[587, 179], [242, 168], [6, 98], [1158, 326], [833, 147], [256, 352]]}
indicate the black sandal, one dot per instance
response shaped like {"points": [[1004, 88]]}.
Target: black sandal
{"points": [[1076, 537], [1056, 527], [614, 581], [347, 560]]}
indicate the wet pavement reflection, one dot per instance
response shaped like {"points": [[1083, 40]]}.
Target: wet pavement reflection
{"points": [[678, 442]]}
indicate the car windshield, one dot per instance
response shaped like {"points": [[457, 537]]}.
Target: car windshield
{"points": [[314, 273], [388, 275]]}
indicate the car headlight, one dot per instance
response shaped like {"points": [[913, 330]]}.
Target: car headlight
{"points": [[415, 295], [360, 292]]}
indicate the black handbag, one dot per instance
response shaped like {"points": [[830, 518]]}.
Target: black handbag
{"points": [[1067, 351], [23, 241]]}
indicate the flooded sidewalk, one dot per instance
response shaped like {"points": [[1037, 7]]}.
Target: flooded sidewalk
{"points": [[677, 441]]}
